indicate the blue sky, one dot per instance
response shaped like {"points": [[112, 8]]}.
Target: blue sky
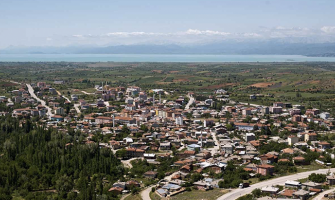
{"points": [[111, 22]]}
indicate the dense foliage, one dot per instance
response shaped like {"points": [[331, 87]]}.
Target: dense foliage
{"points": [[318, 178], [35, 160]]}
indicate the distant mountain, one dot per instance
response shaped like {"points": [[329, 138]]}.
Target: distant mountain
{"points": [[229, 47]]}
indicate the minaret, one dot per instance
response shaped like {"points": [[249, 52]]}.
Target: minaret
{"points": [[160, 101], [201, 138], [153, 99]]}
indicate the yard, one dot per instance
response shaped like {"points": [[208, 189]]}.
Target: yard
{"points": [[133, 197], [199, 194], [311, 167]]}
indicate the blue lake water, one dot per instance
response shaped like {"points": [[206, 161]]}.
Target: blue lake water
{"points": [[158, 58]]}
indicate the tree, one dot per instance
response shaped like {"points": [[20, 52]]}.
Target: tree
{"points": [[64, 184], [318, 178], [257, 192]]}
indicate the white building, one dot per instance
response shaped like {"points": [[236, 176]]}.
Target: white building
{"points": [[179, 121]]}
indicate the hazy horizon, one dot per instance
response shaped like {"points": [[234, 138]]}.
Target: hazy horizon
{"points": [[190, 22]]}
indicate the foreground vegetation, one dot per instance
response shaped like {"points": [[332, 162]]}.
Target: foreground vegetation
{"points": [[37, 163]]}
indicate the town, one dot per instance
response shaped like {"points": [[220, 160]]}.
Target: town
{"points": [[173, 145]]}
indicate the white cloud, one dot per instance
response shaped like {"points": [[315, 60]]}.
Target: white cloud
{"points": [[49, 39], [328, 29], [192, 36], [207, 32]]}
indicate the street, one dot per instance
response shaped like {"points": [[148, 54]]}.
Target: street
{"points": [[190, 102], [32, 94], [234, 194]]}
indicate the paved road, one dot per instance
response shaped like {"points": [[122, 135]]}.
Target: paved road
{"points": [[76, 106], [32, 94], [216, 148], [87, 93], [321, 195], [190, 102], [145, 194], [234, 194], [106, 103], [127, 163]]}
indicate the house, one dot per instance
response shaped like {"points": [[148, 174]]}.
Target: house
{"points": [[171, 187], [59, 111], [292, 139], [301, 194], [250, 137], [311, 185], [114, 144], [293, 184], [324, 145], [265, 169], [193, 147], [287, 193], [150, 174], [162, 192], [331, 179], [132, 152], [120, 185], [57, 118], [276, 110], [247, 111], [299, 160], [185, 169], [270, 190], [278, 104], [103, 120], [228, 148], [132, 183], [268, 158], [324, 115], [165, 146], [310, 137], [252, 167], [115, 190], [202, 185], [125, 120]]}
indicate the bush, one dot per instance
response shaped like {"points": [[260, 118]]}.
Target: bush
{"points": [[318, 178], [153, 189]]}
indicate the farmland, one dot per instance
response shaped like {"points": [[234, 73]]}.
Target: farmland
{"points": [[302, 83]]}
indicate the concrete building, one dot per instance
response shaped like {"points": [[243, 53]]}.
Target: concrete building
{"points": [[292, 139], [250, 137]]}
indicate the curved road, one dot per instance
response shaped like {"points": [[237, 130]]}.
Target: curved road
{"points": [[190, 102], [32, 94], [321, 195], [145, 194], [234, 194]]}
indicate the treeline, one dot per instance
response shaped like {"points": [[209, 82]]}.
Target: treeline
{"points": [[35, 160]]}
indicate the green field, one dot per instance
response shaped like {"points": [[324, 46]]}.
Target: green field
{"points": [[311, 84]]}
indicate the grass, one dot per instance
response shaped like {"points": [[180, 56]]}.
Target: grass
{"points": [[311, 167], [303, 180], [133, 197], [253, 180], [199, 194], [154, 196]]}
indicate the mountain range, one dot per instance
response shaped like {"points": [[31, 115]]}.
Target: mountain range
{"points": [[229, 47]]}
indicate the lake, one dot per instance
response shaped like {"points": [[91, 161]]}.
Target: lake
{"points": [[158, 58]]}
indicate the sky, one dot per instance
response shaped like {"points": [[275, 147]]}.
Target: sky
{"points": [[118, 22]]}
